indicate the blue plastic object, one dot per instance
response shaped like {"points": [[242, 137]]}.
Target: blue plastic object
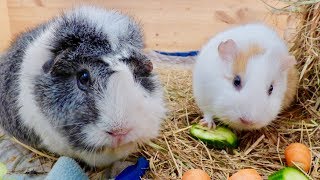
{"points": [[68, 169], [134, 172], [181, 54]]}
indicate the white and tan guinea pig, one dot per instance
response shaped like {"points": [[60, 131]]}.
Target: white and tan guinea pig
{"points": [[244, 76]]}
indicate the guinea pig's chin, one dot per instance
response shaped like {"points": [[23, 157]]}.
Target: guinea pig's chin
{"points": [[131, 146]]}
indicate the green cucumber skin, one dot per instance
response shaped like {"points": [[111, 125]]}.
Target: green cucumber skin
{"points": [[218, 139], [288, 173], [277, 176]]}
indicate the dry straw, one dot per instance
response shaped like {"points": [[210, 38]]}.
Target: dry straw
{"points": [[306, 48], [174, 151]]}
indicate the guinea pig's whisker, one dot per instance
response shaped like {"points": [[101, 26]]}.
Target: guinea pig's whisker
{"points": [[225, 120], [99, 148], [99, 91], [68, 125], [91, 150], [73, 128], [81, 137], [94, 156], [88, 149], [238, 111]]}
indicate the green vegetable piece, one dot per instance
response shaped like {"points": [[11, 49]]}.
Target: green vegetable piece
{"points": [[288, 173], [220, 138], [3, 170]]}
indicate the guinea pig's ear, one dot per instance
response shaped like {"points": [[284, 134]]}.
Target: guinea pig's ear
{"points": [[228, 50], [48, 66], [142, 67], [140, 64], [287, 62]]}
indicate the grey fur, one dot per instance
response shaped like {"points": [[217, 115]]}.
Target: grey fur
{"points": [[10, 63], [77, 45]]}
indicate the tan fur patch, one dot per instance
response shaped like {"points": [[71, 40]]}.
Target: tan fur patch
{"points": [[292, 85], [241, 61]]}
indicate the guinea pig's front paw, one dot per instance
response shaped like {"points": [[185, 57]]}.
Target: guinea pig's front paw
{"points": [[208, 122]]}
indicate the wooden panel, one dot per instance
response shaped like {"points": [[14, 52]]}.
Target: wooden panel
{"points": [[4, 21], [168, 25]]}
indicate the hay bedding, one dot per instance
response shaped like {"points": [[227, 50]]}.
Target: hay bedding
{"points": [[262, 149], [174, 151]]}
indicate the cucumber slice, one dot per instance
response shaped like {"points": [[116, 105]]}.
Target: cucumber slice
{"points": [[3, 170], [288, 173], [221, 137]]}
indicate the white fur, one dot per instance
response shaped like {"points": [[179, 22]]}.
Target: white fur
{"points": [[113, 58], [216, 95], [139, 112], [35, 56], [124, 104], [107, 156]]}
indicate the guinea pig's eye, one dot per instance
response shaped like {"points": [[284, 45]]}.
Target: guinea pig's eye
{"points": [[270, 90], [83, 79], [237, 82]]}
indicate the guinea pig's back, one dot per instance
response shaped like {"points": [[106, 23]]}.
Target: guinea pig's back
{"points": [[260, 34], [10, 64], [248, 35]]}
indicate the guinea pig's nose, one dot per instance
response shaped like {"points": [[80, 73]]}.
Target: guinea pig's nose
{"points": [[119, 132], [245, 121]]}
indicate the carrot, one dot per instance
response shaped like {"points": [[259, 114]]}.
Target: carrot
{"points": [[299, 154], [195, 174], [246, 174]]}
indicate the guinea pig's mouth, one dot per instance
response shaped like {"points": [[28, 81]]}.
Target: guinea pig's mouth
{"points": [[248, 126], [244, 124]]}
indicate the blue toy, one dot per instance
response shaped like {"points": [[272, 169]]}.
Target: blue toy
{"points": [[66, 168], [134, 172]]}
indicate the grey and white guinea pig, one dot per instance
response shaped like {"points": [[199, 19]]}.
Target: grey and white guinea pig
{"points": [[80, 85], [244, 76]]}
